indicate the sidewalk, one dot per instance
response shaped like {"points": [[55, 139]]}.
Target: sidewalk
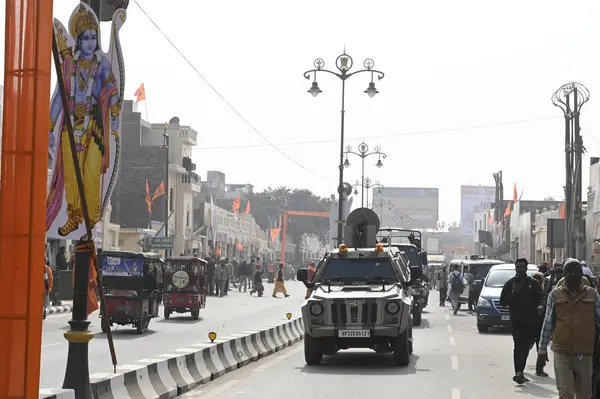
{"points": [[66, 306]]}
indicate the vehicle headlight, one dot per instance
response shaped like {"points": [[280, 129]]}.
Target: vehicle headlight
{"points": [[316, 309], [392, 307], [484, 303]]}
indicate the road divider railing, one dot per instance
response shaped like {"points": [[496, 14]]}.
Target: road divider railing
{"points": [[172, 374]]}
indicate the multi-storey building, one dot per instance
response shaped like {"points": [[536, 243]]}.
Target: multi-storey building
{"points": [[146, 150]]}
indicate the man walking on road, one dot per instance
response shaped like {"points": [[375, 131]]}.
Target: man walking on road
{"points": [[523, 295], [442, 278], [456, 282], [572, 316], [257, 281], [244, 273]]}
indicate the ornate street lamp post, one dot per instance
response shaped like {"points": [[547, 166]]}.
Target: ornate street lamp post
{"points": [[363, 152], [367, 183], [343, 64]]}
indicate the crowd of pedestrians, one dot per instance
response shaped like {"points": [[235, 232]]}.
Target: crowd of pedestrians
{"points": [[246, 275], [558, 305]]}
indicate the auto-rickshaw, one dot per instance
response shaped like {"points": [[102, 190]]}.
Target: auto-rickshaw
{"points": [[185, 286], [132, 288]]}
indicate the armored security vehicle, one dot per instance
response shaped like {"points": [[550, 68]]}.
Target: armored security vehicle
{"points": [[361, 296], [409, 242]]}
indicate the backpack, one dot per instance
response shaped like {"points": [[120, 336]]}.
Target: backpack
{"points": [[457, 284]]}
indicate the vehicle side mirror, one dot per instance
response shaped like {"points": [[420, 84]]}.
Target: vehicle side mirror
{"points": [[424, 258], [302, 275], [415, 273]]}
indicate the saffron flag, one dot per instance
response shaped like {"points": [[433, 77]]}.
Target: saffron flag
{"points": [[507, 211], [160, 190], [274, 234], [140, 94], [247, 211], [148, 199], [562, 211], [235, 205], [515, 198], [239, 247], [489, 216]]}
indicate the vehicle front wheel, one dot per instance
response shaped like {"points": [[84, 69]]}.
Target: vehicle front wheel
{"points": [[196, 314], [313, 353], [482, 328], [402, 349]]}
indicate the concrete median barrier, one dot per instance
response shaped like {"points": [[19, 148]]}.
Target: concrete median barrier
{"points": [[172, 374]]}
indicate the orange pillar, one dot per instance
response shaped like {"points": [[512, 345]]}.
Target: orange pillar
{"points": [[23, 193]]}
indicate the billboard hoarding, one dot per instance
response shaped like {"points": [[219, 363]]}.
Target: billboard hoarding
{"points": [[408, 207], [472, 200]]}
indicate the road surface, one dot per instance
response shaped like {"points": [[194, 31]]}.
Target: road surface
{"points": [[452, 360], [231, 314]]}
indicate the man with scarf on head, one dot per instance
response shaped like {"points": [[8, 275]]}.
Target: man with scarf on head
{"points": [[523, 295], [572, 318]]}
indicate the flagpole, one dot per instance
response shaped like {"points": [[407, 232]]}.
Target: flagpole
{"points": [[146, 107]]}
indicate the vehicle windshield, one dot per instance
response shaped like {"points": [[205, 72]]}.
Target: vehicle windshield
{"points": [[117, 266], [482, 270], [497, 278], [347, 269], [411, 253]]}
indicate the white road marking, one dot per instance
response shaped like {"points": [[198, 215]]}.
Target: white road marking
{"points": [[49, 345], [454, 359], [452, 341], [455, 393], [212, 393], [446, 317], [449, 328], [278, 358]]}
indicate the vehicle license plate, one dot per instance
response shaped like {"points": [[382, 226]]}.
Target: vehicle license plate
{"points": [[354, 333], [505, 318], [180, 299]]}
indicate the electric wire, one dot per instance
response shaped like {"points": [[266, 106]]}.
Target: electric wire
{"points": [[384, 136], [187, 60]]}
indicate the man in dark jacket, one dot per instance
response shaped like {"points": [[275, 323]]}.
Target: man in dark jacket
{"points": [[257, 281], [245, 273], [523, 296], [210, 276]]}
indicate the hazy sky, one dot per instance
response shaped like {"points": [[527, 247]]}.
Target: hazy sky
{"points": [[450, 67]]}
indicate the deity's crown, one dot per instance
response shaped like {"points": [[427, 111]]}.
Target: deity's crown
{"points": [[83, 20]]}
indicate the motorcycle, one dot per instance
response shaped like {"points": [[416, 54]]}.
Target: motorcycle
{"points": [[418, 302]]}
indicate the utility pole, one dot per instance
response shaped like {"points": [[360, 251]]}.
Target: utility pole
{"points": [[570, 98]]}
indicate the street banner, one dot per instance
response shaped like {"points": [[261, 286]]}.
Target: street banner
{"points": [[94, 83]]}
